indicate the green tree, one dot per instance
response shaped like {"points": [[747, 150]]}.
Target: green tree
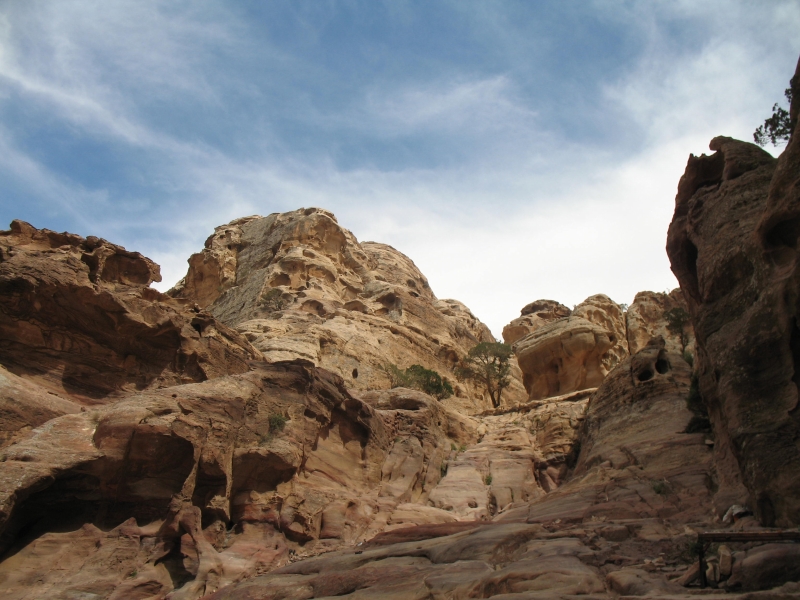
{"points": [[488, 364], [677, 320], [777, 129]]}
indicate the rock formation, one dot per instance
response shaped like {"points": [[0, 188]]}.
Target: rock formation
{"points": [[561, 351], [78, 318], [645, 320], [564, 354], [615, 529], [532, 317], [731, 247], [298, 285]]}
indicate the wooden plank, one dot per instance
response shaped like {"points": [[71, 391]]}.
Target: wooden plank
{"points": [[748, 536]]}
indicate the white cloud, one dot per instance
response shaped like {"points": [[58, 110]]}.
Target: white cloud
{"points": [[523, 215]]}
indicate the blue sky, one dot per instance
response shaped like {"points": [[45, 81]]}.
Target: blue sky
{"points": [[514, 150]]}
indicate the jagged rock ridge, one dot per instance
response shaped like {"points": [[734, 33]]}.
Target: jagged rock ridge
{"points": [[298, 285]]}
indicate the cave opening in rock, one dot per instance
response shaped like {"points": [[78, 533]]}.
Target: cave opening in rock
{"points": [[645, 375], [662, 365]]}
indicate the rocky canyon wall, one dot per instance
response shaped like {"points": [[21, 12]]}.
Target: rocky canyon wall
{"points": [[733, 247]]}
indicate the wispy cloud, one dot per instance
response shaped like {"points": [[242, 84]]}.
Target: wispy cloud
{"points": [[500, 189]]}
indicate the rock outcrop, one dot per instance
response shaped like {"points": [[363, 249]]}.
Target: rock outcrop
{"points": [[574, 352], [561, 351], [298, 285], [733, 246], [199, 485], [618, 528], [78, 318], [645, 320], [532, 317]]}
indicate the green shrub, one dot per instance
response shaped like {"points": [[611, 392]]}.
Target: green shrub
{"points": [[420, 378], [277, 422], [677, 321], [273, 300], [688, 357], [488, 480], [429, 381]]}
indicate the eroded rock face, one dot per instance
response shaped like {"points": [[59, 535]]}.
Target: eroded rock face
{"points": [[575, 352], [300, 286], [645, 320], [733, 247], [617, 527], [532, 317], [25, 405], [219, 491], [77, 317]]}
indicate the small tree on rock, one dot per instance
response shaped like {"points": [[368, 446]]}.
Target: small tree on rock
{"points": [[777, 129], [488, 364], [677, 320]]}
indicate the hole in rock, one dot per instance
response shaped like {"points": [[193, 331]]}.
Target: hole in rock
{"points": [[260, 472], [794, 346], [662, 365], [280, 279], [689, 255], [784, 234], [645, 375], [766, 511], [355, 373], [314, 307]]}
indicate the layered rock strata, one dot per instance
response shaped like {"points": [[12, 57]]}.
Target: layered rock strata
{"points": [[78, 318], [615, 529], [298, 285], [733, 246]]}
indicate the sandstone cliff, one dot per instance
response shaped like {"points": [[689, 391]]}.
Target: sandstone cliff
{"points": [[78, 318], [298, 285], [733, 247]]}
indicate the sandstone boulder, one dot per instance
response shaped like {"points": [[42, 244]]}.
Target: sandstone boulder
{"points": [[733, 247], [298, 285], [532, 316], [574, 352]]}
